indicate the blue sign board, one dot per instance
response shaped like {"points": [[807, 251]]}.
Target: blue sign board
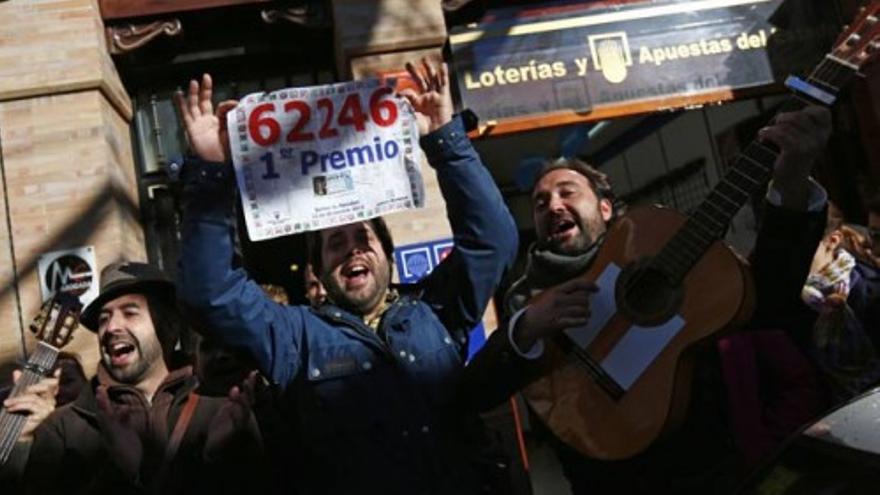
{"points": [[537, 62]]}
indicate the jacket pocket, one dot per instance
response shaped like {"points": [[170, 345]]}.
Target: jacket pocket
{"points": [[341, 386]]}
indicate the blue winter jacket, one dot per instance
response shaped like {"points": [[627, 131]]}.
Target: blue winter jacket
{"points": [[374, 412]]}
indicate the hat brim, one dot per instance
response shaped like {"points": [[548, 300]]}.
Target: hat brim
{"points": [[89, 316]]}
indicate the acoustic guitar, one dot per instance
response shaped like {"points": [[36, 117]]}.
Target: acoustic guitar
{"points": [[53, 327], [667, 282]]}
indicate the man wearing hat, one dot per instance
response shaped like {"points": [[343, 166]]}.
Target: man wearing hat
{"points": [[139, 425]]}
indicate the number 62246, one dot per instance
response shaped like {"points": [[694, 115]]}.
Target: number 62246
{"points": [[265, 130]]}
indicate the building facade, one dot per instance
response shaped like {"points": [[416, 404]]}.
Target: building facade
{"points": [[89, 140]]}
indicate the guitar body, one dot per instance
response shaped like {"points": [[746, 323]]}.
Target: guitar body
{"points": [[716, 293]]}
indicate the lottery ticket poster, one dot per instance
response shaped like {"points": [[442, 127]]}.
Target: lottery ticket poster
{"points": [[316, 157]]}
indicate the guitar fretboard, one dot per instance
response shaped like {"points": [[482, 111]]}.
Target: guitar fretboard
{"points": [[749, 174], [41, 361]]}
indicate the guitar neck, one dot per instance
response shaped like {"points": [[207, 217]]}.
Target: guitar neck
{"points": [[748, 175], [39, 365]]}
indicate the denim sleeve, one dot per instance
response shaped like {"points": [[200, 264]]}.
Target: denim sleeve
{"points": [[483, 229], [232, 307]]}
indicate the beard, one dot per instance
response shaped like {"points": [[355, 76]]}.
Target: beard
{"points": [[588, 232], [361, 301], [143, 357]]}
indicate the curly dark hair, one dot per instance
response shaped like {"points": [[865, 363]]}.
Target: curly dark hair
{"points": [[314, 244], [598, 180]]}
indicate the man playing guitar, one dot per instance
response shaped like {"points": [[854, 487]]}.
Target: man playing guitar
{"points": [[572, 207]]}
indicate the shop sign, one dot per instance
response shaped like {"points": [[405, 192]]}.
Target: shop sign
{"points": [[614, 56], [73, 271], [414, 261]]}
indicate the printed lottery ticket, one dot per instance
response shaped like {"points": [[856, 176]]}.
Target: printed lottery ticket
{"points": [[316, 157]]}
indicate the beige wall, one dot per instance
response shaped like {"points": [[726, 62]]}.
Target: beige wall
{"points": [[67, 166]]}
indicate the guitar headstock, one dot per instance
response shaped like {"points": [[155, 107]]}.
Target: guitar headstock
{"points": [[57, 320], [860, 42]]}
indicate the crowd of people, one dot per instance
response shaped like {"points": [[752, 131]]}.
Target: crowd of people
{"points": [[367, 389]]}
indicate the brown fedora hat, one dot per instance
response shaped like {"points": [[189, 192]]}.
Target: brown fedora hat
{"points": [[126, 277]]}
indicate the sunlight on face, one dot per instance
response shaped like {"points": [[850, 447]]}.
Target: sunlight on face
{"points": [[130, 348], [355, 271], [567, 214]]}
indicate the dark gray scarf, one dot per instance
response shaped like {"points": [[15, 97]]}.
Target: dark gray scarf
{"points": [[546, 269]]}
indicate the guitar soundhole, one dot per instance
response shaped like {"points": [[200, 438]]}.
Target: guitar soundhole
{"points": [[646, 295]]}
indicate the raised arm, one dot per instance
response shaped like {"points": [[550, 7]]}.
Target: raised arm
{"points": [[228, 304], [483, 230]]}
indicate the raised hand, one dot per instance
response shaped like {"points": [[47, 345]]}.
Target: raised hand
{"points": [[800, 136], [205, 128], [36, 402], [233, 418], [433, 101], [119, 433], [566, 305]]}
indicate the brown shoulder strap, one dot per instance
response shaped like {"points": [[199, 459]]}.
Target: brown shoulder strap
{"points": [[176, 437], [180, 427]]}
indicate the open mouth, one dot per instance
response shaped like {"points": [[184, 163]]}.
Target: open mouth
{"points": [[562, 229], [120, 352], [356, 274]]}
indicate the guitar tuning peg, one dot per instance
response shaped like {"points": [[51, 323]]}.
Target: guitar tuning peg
{"points": [[40, 330], [63, 335], [36, 324]]}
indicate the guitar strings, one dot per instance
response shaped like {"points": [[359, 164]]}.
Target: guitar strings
{"points": [[825, 72], [14, 422], [11, 428], [42, 360], [11, 424]]}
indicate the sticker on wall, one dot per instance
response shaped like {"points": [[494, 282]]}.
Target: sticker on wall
{"points": [[71, 270], [442, 250], [415, 261]]}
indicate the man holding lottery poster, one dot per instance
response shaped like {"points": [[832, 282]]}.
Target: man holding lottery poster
{"points": [[369, 377]]}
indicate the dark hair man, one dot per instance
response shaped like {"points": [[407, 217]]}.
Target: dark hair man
{"points": [[572, 208], [370, 375], [138, 425]]}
